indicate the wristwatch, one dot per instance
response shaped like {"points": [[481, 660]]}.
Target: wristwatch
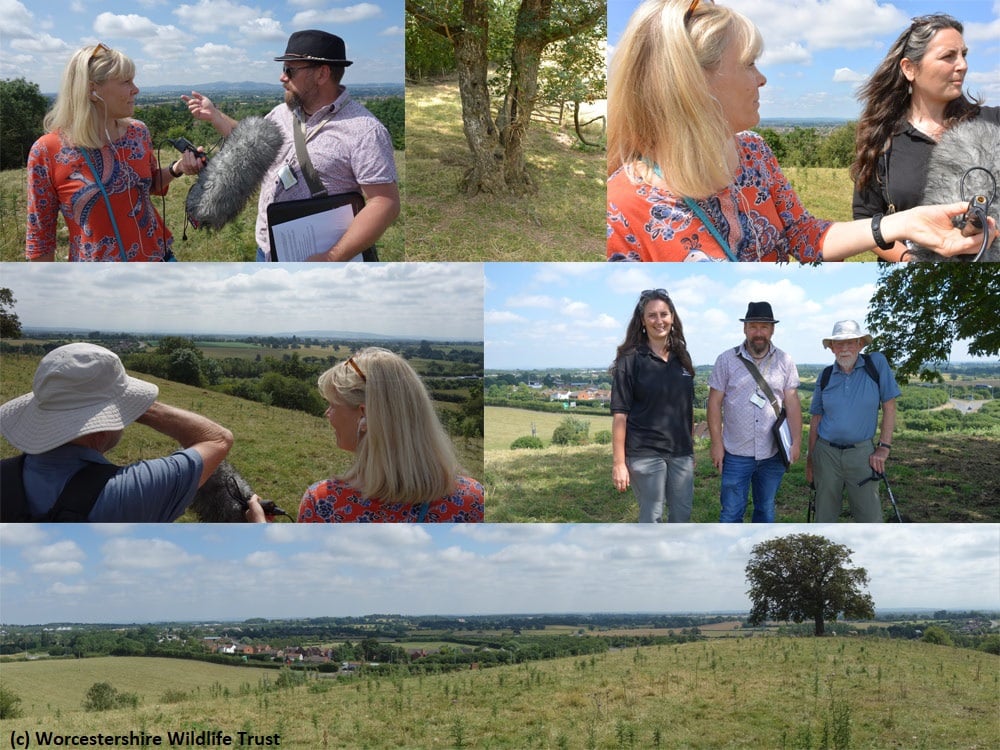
{"points": [[884, 445], [172, 172]]}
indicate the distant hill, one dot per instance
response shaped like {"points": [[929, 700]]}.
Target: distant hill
{"points": [[256, 88]]}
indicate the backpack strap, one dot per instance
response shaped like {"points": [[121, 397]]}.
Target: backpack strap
{"points": [[870, 368], [80, 493], [73, 504]]}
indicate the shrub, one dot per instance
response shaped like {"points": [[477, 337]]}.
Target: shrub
{"points": [[9, 708], [603, 437], [102, 696], [571, 431], [528, 441]]}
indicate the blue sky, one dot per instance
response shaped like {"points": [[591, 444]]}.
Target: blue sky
{"points": [[818, 51], [199, 41], [148, 573], [395, 299], [574, 314]]}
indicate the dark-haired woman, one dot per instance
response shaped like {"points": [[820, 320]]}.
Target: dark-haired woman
{"points": [[652, 403], [913, 97]]}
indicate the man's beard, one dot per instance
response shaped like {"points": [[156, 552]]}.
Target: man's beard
{"points": [[847, 361], [758, 347], [292, 100]]}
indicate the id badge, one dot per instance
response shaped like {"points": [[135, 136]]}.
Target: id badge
{"points": [[287, 178], [757, 400]]}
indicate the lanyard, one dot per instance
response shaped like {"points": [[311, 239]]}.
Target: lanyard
{"points": [[702, 216]]}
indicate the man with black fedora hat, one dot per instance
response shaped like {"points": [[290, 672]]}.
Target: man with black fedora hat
{"points": [[348, 148], [843, 420], [748, 386]]}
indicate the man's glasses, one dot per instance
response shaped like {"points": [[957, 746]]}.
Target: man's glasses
{"points": [[354, 365], [290, 72], [693, 7]]}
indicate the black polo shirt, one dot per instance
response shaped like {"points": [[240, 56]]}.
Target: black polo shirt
{"points": [[909, 156], [658, 398]]}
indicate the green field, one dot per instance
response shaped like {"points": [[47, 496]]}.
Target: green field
{"points": [[757, 692], [503, 426], [935, 478], [50, 687], [280, 452]]}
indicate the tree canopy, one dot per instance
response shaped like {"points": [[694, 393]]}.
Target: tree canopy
{"points": [[806, 577], [10, 324], [920, 309]]}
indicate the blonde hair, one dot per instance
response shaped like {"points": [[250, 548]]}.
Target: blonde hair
{"points": [[75, 114], [405, 456], [660, 106]]}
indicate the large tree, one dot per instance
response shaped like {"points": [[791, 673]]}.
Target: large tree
{"points": [[10, 324], [920, 309], [22, 109], [806, 577], [497, 140]]}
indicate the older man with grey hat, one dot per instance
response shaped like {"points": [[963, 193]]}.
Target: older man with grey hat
{"points": [[742, 412], [843, 422], [349, 149], [80, 404]]}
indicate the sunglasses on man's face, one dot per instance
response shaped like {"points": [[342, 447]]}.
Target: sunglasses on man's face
{"points": [[290, 71]]}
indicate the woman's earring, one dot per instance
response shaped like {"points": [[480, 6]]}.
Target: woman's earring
{"points": [[362, 427]]}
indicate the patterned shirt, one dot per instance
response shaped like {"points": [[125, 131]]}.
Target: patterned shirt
{"points": [[348, 146], [336, 501], [59, 179], [746, 428], [759, 215]]}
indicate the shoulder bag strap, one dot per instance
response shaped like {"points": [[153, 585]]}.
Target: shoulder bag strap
{"points": [[424, 509], [762, 383], [107, 201], [305, 163]]}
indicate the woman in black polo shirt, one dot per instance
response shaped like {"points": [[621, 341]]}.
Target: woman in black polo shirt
{"points": [[913, 97], [652, 402]]}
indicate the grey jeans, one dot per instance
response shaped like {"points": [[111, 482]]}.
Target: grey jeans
{"points": [[659, 481]]}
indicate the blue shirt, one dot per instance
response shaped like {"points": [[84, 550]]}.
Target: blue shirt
{"points": [[157, 490], [849, 404]]}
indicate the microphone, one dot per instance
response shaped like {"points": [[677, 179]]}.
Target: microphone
{"points": [[965, 166], [225, 185]]}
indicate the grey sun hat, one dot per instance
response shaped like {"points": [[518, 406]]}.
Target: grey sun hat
{"points": [[78, 389], [845, 330]]}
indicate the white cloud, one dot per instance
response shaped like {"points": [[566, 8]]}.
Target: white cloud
{"points": [[502, 316], [336, 16], [846, 75], [133, 554]]}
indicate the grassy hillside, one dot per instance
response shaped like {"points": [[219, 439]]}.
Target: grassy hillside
{"points": [[235, 242], [564, 221], [763, 692], [279, 451], [55, 686], [935, 477]]}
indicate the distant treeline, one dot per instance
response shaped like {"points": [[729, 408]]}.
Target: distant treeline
{"points": [[452, 373]]}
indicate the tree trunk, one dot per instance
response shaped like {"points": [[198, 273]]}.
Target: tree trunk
{"points": [[820, 625]]}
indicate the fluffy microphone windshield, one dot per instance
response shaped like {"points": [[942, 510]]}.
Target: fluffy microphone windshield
{"points": [[973, 143], [231, 177]]}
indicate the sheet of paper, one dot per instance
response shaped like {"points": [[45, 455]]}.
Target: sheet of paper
{"points": [[297, 239]]}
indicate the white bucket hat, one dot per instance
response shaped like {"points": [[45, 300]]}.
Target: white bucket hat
{"points": [[845, 330], [78, 389]]}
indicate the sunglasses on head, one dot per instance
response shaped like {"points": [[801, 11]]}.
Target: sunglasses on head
{"points": [[649, 293], [354, 365], [693, 7]]}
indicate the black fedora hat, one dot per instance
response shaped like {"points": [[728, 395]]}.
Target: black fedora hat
{"points": [[759, 312], [313, 45]]}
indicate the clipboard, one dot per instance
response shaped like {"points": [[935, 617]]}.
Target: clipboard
{"points": [[298, 229]]}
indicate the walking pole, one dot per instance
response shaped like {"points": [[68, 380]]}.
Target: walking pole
{"points": [[812, 503], [880, 476]]}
